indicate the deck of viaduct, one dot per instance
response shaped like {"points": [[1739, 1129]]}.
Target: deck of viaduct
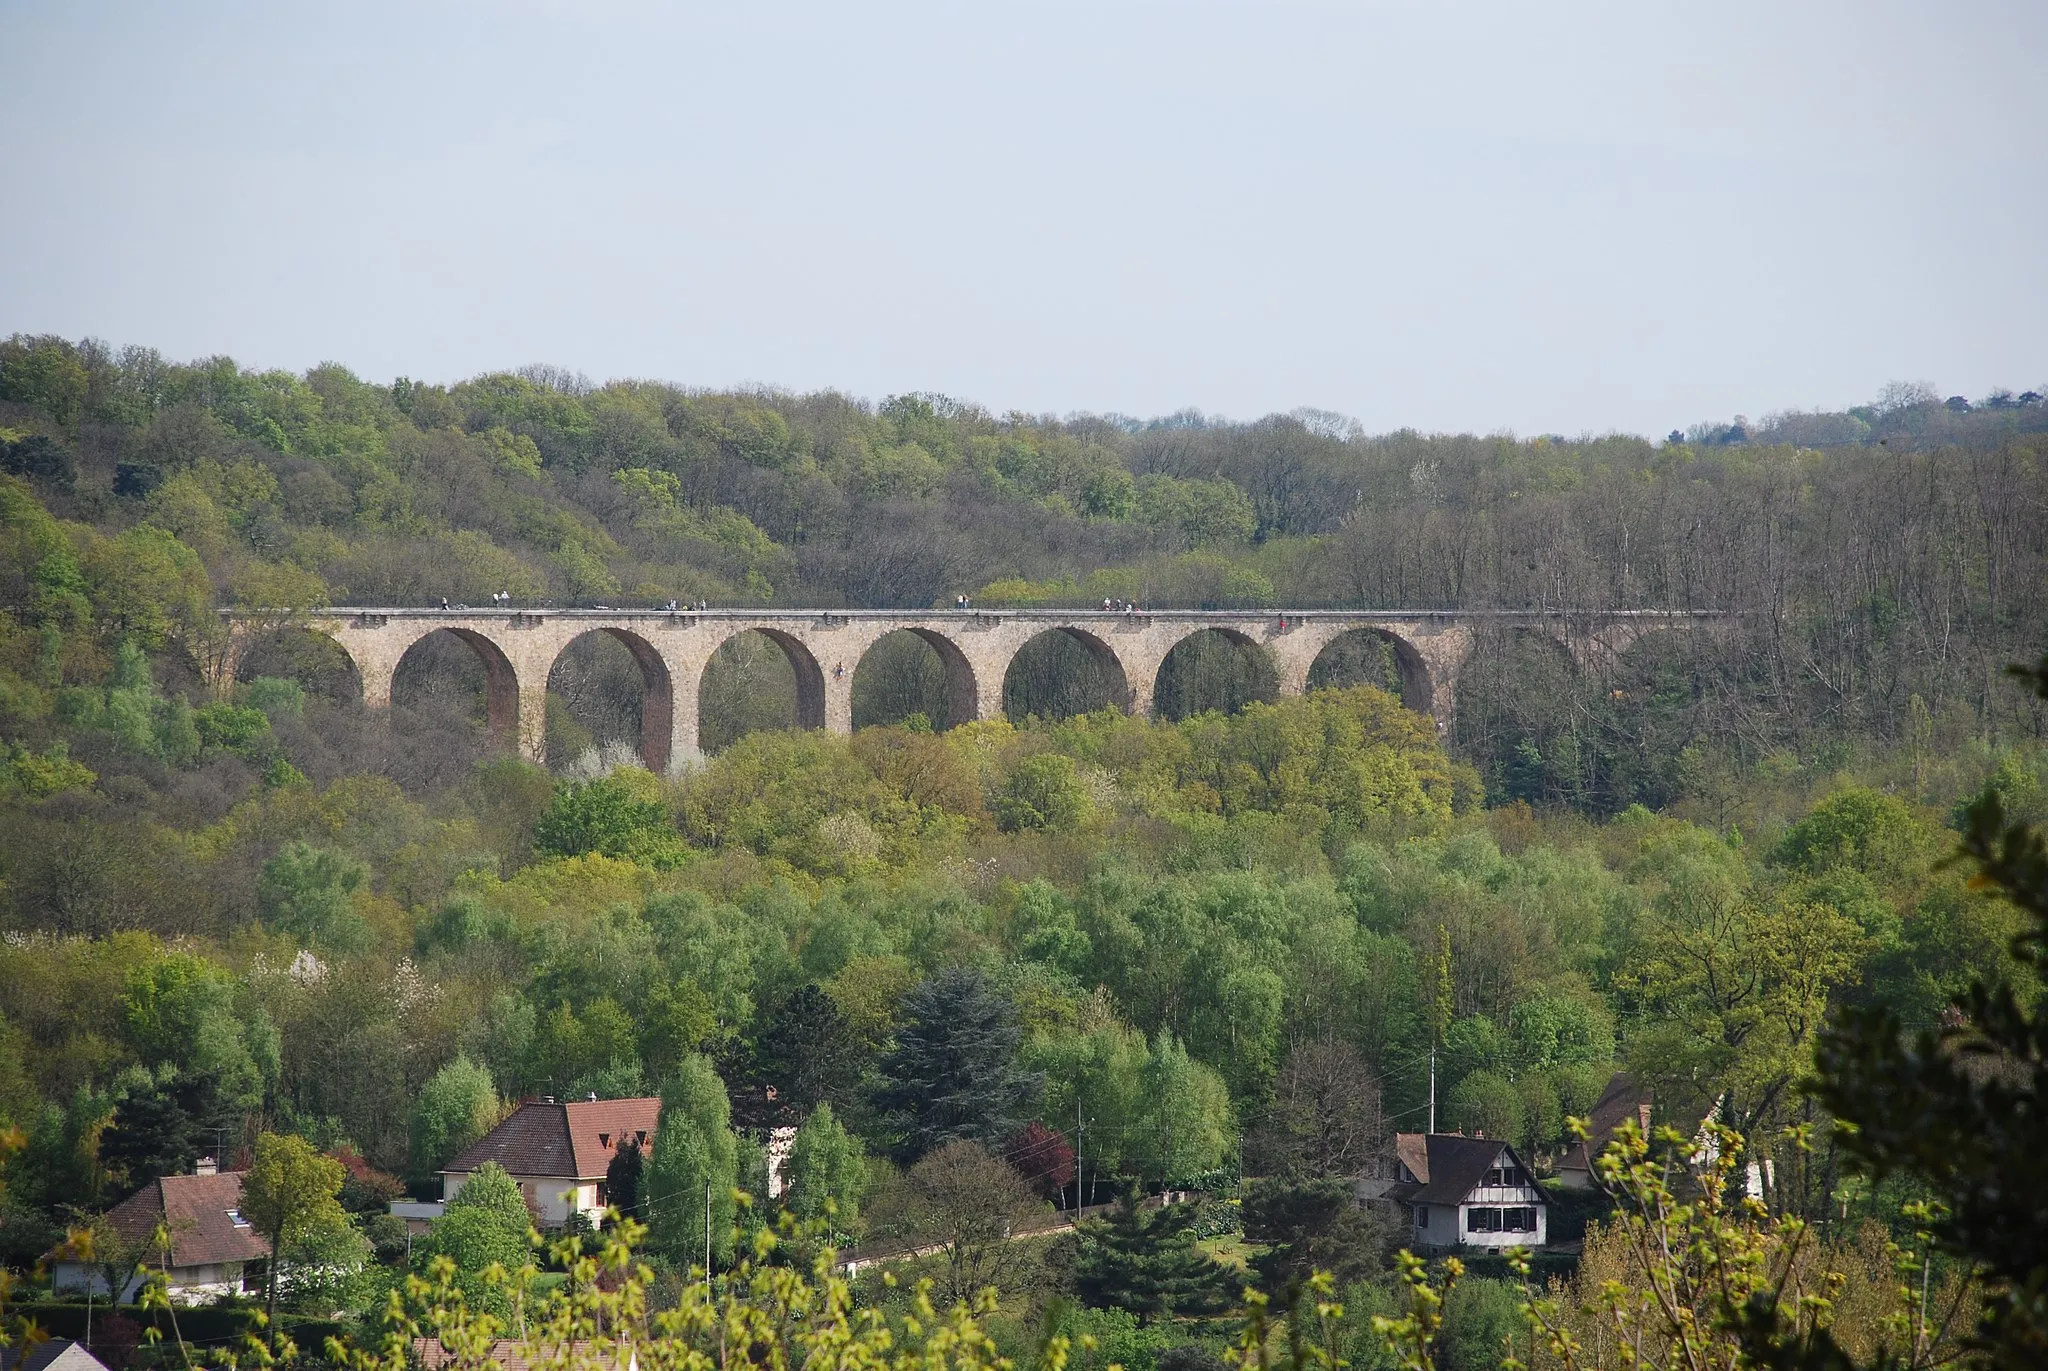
{"points": [[518, 648]]}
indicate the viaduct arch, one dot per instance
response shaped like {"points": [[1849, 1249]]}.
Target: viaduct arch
{"points": [[825, 648]]}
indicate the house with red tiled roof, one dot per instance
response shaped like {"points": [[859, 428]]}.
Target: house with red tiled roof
{"points": [[556, 1152], [214, 1251], [1466, 1192]]}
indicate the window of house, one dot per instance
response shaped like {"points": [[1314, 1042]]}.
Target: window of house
{"points": [[1502, 1175], [640, 1136], [1520, 1219], [604, 1194], [1422, 1216], [1482, 1220], [235, 1217], [604, 1140]]}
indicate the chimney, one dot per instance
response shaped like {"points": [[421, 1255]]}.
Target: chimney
{"points": [[206, 1166], [592, 1098], [547, 1099]]}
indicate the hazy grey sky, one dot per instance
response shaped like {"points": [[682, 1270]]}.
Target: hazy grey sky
{"points": [[1540, 217]]}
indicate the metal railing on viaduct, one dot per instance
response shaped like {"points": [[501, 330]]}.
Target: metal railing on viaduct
{"points": [[518, 648]]}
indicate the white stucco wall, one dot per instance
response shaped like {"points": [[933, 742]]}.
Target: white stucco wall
{"points": [[553, 1198], [1503, 1197], [1450, 1226], [187, 1284]]}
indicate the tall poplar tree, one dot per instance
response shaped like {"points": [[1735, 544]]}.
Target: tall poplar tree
{"points": [[689, 1183]]}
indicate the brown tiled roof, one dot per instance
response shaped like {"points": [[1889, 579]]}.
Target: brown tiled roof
{"points": [[1622, 1100], [597, 1129], [575, 1140], [200, 1211], [1452, 1165], [1414, 1155]]}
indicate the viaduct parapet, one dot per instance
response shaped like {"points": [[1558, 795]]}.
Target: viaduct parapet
{"points": [[518, 648]]}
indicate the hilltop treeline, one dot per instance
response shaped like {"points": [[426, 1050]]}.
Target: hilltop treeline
{"points": [[1883, 561]]}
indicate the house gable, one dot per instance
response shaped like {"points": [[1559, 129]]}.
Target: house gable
{"points": [[1467, 1191]]}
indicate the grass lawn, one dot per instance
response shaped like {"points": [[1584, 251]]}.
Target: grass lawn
{"points": [[1232, 1250]]}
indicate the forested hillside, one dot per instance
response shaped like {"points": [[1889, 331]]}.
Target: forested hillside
{"points": [[1228, 941]]}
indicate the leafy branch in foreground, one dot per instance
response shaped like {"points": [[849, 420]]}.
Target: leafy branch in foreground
{"points": [[1709, 1279], [1959, 1106], [759, 1313]]}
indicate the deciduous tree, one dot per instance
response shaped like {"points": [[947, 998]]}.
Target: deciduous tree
{"points": [[690, 1178], [289, 1191], [456, 1106], [970, 1205]]}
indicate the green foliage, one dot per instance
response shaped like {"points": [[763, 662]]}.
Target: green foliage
{"points": [[827, 1172], [806, 1050], [953, 1074], [1483, 1326], [690, 1178], [148, 585], [1875, 835], [1736, 988], [485, 1225], [617, 816], [456, 1106], [1312, 1225], [624, 1178], [1043, 792], [326, 1270], [45, 373], [36, 777], [1171, 911], [160, 1127], [1957, 1107], [574, 1054], [801, 798], [277, 698], [289, 1193], [1186, 1126], [181, 1010], [1486, 1102], [230, 728], [306, 892]]}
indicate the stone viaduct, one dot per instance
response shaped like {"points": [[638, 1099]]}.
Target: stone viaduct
{"points": [[824, 647]]}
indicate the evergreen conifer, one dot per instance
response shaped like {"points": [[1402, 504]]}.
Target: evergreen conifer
{"points": [[1146, 1261], [953, 1075]]}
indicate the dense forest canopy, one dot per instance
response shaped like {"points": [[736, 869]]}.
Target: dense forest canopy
{"points": [[1231, 941]]}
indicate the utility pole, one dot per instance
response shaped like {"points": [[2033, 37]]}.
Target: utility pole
{"points": [[1440, 1011], [1079, 1193]]}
